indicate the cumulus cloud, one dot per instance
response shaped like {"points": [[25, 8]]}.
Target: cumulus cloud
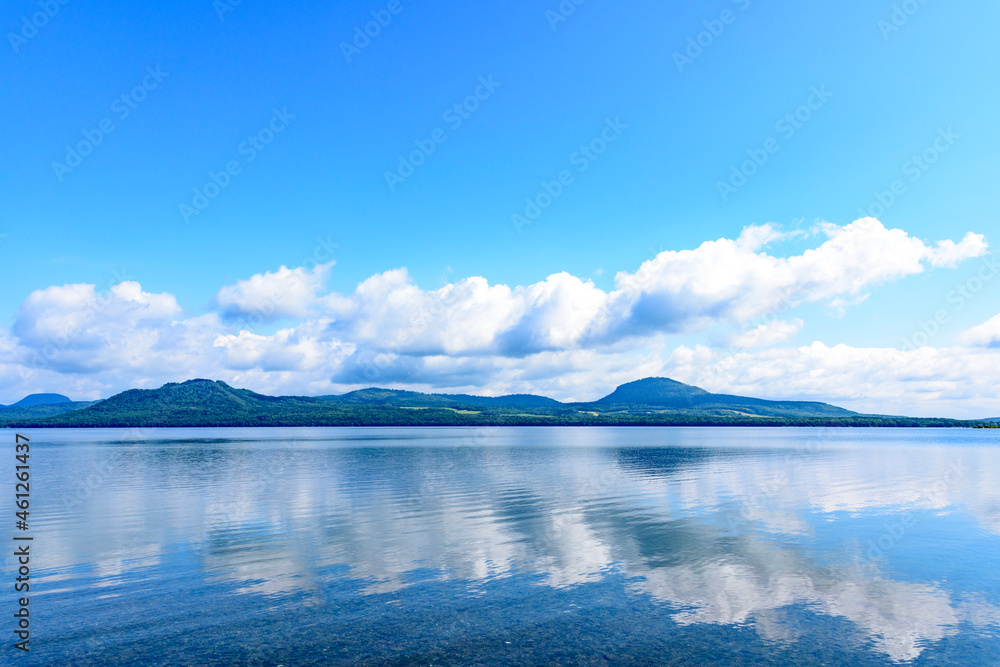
{"points": [[730, 280], [731, 573], [300, 349], [562, 336], [266, 297], [986, 334], [389, 312], [73, 328], [677, 291], [948, 253], [923, 382], [755, 237], [768, 333]]}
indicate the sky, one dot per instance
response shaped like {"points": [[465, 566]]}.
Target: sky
{"points": [[787, 200]]}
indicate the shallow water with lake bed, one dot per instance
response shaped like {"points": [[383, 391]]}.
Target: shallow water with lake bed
{"points": [[498, 546]]}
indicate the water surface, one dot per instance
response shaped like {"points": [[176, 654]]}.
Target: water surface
{"points": [[450, 546]]}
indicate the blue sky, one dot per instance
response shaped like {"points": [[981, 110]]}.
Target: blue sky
{"points": [[874, 85]]}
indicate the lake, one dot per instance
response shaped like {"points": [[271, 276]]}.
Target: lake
{"points": [[498, 546]]}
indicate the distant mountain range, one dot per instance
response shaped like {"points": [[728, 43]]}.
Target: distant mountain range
{"points": [[667, 393], [39, 399], [652, 401], [37, 406]]}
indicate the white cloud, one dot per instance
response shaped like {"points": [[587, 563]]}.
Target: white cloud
{"points": [[728, 280], [73, 328], [298, 349], [677, 291], [948, 253], [986, 334], [750, 579], [755, 237], [769, 333], [562, 336], [266, 297], [930, 382], [389, 312]]}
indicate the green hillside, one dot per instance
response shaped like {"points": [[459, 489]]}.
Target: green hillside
{"points": [[649, 402], [659, 393], [33, 400], [398, 397], [31, 410], [654, 391]]}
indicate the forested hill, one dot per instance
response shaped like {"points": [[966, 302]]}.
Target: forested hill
{"points": [[39, 406], [653, 401], [667, 393]]}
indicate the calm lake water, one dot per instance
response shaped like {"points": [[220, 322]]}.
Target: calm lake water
{"points": [[498, 546]]}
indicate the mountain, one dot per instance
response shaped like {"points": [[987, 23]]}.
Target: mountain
{"points": [[39, 399], [654, 391], [191, 403], [415, 399], [667, 393], [39, 406], [648, 402]]}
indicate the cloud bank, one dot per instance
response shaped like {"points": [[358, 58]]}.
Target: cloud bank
{"points": [[563, 336]]}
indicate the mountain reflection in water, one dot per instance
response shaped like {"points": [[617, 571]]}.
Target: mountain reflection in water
{"points": [[890, 531]]}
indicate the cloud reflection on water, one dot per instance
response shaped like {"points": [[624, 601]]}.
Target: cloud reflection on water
{"points": [[723, 535]]}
